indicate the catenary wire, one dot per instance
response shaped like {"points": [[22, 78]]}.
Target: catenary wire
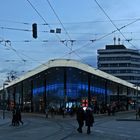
{"points": [[93, 40], [118, 29], [82, 22], [96, 39], [106, 34], [10, 47], [100, 38], [49, 26], [58, 19]]}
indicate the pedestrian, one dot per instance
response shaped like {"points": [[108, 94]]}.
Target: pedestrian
{"points": [[108, 109], [52, 112], [47, 112], [80, 116], [14, 116], [139, 111], [89, 119], [18, 116]]}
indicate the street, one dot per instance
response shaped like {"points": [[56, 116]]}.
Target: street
{"points": [[38, 127]]}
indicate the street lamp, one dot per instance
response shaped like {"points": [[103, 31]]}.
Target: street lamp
{"points": [[4, 98], [137, 101]]}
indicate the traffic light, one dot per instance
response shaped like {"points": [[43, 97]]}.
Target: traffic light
{"points": [[34, 30], [84, 102], [58, 30]]}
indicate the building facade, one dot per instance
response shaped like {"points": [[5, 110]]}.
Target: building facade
{"points": [[120, 62], [66, 83]]}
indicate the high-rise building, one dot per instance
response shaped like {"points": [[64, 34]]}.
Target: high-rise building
{"points": [[120, 62]]}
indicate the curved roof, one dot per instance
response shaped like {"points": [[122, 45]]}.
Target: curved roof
{"points": [[71, 63]]}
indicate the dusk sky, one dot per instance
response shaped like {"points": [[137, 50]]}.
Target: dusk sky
{"points": [[86, 26]]}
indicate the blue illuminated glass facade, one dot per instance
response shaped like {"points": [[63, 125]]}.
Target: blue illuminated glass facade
{"points": [[60, 86], [76, 83], [73, 90]]}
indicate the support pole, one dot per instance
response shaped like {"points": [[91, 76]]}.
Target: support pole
{"points": [[65, 86], [89, 94]]}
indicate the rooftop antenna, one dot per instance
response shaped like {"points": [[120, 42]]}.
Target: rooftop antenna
{"points": [[114, 39]]}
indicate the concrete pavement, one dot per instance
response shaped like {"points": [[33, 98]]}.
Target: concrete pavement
{"points": [[37, 127], [4, 121]]}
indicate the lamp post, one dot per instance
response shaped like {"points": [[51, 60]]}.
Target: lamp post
{"points": [[136, 101], [65, 87], [89, 93], [4, 98]]}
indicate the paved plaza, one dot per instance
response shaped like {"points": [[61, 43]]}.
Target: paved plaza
{"points": [[37, 127]]}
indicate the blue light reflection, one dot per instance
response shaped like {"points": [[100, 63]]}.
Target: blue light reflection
{"points": [[73, 90]]}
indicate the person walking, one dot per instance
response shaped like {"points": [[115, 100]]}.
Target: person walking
{"points": [[139, 111], [80, 116], [18, 115], [47, 112], [89, 119], [14, 116]]}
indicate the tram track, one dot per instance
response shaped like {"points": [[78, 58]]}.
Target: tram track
{"points": [[105, 119], [54, 128], [62, 128], [66, 130]]}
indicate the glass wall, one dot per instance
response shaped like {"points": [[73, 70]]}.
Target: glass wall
{"points": [[27, 95], [66, 87], [38, 93]]}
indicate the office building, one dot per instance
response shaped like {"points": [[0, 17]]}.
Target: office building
{"points": [[121, 62]]}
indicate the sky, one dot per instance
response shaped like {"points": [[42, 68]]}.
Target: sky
{"points": [[86, 26]]}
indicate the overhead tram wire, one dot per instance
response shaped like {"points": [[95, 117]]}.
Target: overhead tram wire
{"points": [[93, 40], [81, 47], [17, 29], [113, 22], [62, 23], [17, 53], [88, 44], [14, 50], [56, 34], [62, 26], [42, 17], [100, 38], [117, 29], [45, 23], [49, 25], [106, 34], [29, 30], [84, 22], [58, 19], [17, 22], [71, 51]]}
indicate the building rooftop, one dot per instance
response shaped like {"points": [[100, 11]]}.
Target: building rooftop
{"points": [[115, 47], [70, 63]]}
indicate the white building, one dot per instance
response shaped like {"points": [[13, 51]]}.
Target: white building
{"points": [[120, 62]]}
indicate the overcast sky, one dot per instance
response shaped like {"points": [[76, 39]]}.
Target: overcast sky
{"points": [[86, 26]]}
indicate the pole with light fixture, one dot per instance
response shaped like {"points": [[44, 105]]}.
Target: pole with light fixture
{"points": [[136, 102], [4, 98]]}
